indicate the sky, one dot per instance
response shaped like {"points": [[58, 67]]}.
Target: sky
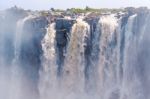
{"points": [[64, 4]]}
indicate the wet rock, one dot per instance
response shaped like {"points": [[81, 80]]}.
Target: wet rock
{"points": [[34, 30], [63, 28]]}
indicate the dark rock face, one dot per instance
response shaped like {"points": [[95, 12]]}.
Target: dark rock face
{"points": [[63, 27], [34, 30], [92, 22], [93, 25]]}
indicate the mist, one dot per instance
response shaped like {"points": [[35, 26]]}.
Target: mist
{"points": [[75, 55]]}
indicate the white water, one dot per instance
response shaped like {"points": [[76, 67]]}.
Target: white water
{"points": [[132, 83], [48, 79], [12, 84], [106, 65], [110, 76], [73, 73]]}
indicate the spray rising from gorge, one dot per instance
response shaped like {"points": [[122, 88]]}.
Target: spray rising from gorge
{"points": [[43, 56]]}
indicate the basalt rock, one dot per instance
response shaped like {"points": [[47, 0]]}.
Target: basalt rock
{"points": [[63, 28], [34, 30]]}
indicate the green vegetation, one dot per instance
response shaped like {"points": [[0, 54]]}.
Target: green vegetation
{"points": [[56, 10], [77, 10], [85, 10], [44, 13], [88, 9]]}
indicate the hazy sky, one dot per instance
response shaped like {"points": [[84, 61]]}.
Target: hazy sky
{"points": [[63, 4]]}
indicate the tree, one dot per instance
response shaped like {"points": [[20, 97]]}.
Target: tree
{"points": [[52, 9], [87, 8]]}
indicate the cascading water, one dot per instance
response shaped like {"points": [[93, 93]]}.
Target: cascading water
{"points": [[109, 60], [48, 72], [133, 68], [127, 69], [111, 69], [74, 68], [13, 75], [15, 68], [105, 50], [72, 71], [17, 76]]}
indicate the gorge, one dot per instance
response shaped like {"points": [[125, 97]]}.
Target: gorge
{"points": [[82, 56]]}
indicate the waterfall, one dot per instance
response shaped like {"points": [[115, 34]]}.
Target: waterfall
{"points": [[19, 37], [113, 74], [73, 71], [133, 69], [12, 73], [76, 58], [105, 44], [48, 73], [74, 68], [16, 70]]}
